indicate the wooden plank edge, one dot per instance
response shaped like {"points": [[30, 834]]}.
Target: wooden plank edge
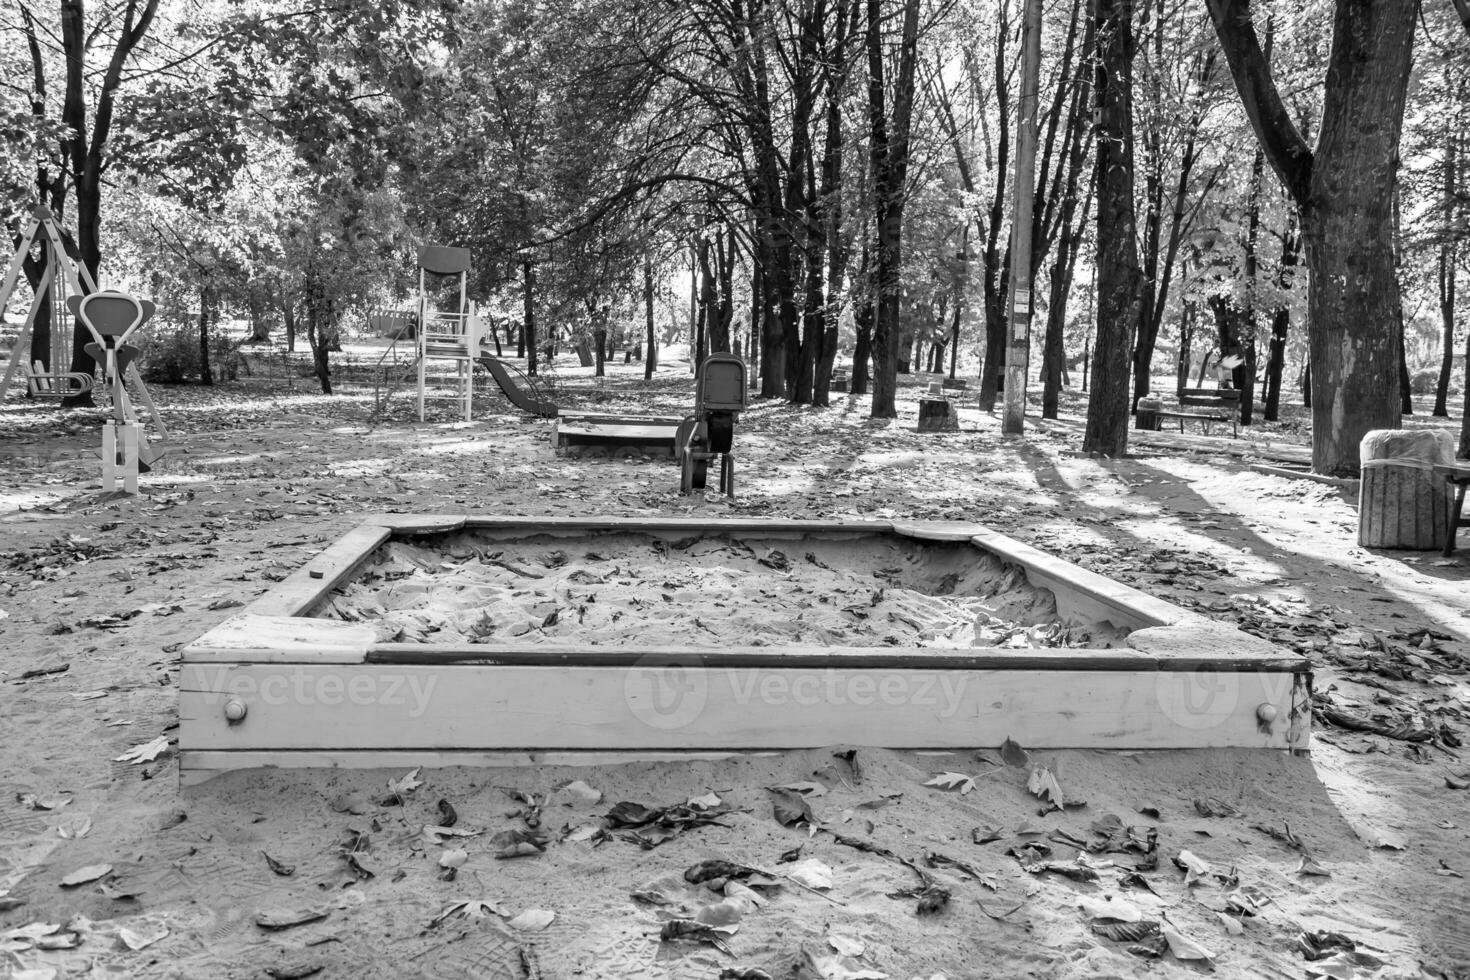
{"points": [[250, 638], [1144, 659], [310, 584], [671, 525], [1290, 474], [197, 766], [1068, 582], [409, 525]]}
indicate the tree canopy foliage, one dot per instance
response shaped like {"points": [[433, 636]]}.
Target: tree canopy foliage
{"points": [[821, 182]]}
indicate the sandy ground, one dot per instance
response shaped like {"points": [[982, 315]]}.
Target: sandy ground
{"points": [[1238, 855], [639, 590]]}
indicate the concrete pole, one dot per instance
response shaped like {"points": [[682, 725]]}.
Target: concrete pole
{"points": [[1018, 349]]}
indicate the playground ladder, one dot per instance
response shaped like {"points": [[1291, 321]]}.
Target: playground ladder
{"points": [[451, 336]]}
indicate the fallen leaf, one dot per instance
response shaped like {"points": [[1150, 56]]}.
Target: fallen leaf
{"points": [[1323, 943], [1013, 755], [276, 919], [1182, 946], [1110, 910], [694, 931], [812, 873], [791, 808], [838, 967], [998, 916], [1043, 783], [1309, 866], [741, 891], [1126, 932], [75, 829], [284, 870], [1376, 838], [406, 784], [33, 802], [846, 945], [587, 794], [953, 780], [806, 789], [1232, 925], [724, 915], [146, 752], [83, 875], [353, 803], [986, 835], [1194, 867], [532, 920], [518, 842], [433, 834], [1211, 807], [142, 938], [475, 908], [585, 832]]}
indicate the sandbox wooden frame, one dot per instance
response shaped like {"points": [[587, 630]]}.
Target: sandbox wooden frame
{"points": [[274, 687]]}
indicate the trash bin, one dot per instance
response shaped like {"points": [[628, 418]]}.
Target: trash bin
{"points": [[1147, 414], [1401, 503]]}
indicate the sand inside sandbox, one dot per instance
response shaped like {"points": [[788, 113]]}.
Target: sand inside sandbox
{"points": [[632, 589]]}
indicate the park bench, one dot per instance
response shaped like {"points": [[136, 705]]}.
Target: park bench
{"points": [[1457, 474], [841, 380], [1213, 404]]}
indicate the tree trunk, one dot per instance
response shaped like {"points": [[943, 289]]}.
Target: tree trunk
{"points": [[1245, 372], [889, 155], [1448, 260], [1345, 193], [1291, 243], [86, 147], [318, 315], [599, 339], [1119, 278], [650, 349], [208, 310], [863, 347], [1406, 403], [1447, 264], [528, 314], [1464, 452], [288, 317], [1186, 341], [997, 260]]}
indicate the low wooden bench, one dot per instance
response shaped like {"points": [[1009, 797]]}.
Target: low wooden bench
{"points": [[1224, 401], [841, 380], [1458, 476]]}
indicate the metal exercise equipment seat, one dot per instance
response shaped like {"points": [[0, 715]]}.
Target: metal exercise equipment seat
{"points": [[111, 318], [720, 393]]}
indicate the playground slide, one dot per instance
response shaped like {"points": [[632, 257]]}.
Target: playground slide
{"points": [[527, 401]]}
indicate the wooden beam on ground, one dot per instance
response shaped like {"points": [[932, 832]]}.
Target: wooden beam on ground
{"points": [[370, 708]]}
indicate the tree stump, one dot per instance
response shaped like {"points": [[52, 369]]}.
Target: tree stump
{"points": [[1401, 503], [938, 415]]}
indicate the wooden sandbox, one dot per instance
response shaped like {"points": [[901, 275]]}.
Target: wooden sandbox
{"points": [[277, 685]]}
